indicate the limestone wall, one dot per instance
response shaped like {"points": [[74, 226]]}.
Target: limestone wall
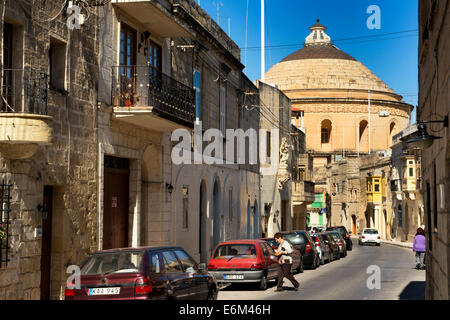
{"points": [[68, 165]]}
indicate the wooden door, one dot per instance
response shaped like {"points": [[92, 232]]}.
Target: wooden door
{"points": [[116, 205], [46, 243]]}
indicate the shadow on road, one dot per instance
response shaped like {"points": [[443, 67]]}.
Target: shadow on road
{"points": [[415, 290]]}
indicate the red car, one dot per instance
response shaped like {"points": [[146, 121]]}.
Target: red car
{"points": [[244, 261], [143, 273]]}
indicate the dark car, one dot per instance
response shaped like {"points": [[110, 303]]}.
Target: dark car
{"points": [[297, 265], [302, 240], [334, 247], [143, 273], [345, 234], [337, 237], [323, 248], [244, 261]]}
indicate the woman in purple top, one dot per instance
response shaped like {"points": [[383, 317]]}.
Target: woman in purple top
{"points": [[419, 248]]}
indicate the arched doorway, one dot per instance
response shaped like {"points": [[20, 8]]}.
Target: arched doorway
{"points": [[202, 223], [353, 224], [216, 215]]}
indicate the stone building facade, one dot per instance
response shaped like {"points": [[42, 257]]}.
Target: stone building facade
{"points": [[434, 104], [283, 194], [86, 145], [406, 184], [176, 49], [48, 143]]}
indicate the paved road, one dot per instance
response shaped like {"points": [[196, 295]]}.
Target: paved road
{"points": [[346, 279]]}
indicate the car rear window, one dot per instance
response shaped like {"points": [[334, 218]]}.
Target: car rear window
{"points": [[112, 262], [243, 251], [295, 238], [371, 231]]}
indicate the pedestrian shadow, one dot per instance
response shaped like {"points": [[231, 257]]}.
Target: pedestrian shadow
{"points": [[415, 290]]}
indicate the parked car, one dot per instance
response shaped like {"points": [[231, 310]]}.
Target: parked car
{"points": [[304, 243], [297, 265], [345, 234], [325, 253], [337, 237], [334, 247], [143, 273], [244, 261], [369, 235]]}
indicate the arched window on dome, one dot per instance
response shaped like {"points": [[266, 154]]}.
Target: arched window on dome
{"points": [[325, 131], [392, 130], [363, 135]]}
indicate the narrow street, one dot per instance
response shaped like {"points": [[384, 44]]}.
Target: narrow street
{"points": [[346, 279]]}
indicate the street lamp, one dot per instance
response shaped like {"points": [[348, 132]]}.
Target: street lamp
{"points": [[423, 140]]}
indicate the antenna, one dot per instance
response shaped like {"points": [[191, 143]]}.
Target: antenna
{"points": [[263, 62], [218, 5]]}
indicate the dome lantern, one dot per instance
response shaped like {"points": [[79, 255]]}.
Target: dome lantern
{"points": [[318, 36]]}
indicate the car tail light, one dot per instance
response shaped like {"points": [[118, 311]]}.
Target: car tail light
{"points": [[317, 244], [142, 286], [256, 266], [378, 237], [69, 292], [347, 236], [363, 237], [212, 267], [340, 242], [308, 247]]}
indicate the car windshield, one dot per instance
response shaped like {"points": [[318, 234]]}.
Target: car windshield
{"points": [[241, 251], [272, 242], [335, 236], [371, 231], [112, 262], [295, 238]]}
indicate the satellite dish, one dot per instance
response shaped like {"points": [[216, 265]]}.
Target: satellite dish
{"points": [[384, 113]]}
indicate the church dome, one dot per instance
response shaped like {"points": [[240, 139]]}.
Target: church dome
{"points": [[321, 65]]}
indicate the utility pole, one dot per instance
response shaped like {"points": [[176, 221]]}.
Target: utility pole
{"points": [[263, 62], [370, 127]]}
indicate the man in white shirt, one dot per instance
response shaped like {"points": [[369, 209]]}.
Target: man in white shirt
{"points": [[284, 252]]}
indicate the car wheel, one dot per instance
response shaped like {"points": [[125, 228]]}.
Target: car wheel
{"points": [[263, 283], [301, 267], [212, 294], [331, 257], [322, 261], [316, 263]]}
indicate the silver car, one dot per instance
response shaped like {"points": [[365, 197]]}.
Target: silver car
{"points": [[325, 253]]}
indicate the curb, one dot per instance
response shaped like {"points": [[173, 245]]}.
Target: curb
{"points": [[399, 244]]}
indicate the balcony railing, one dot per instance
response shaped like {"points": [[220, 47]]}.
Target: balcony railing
{"points": [[145, 86], [303, 191], [23, 91]]}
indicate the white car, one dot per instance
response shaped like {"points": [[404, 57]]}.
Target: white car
{"points": [[369, 235]]}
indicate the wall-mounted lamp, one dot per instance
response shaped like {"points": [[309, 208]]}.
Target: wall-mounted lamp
{"points": [[44, 210], [169, 188], [423, 140]]}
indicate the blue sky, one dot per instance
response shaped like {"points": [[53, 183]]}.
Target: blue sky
{"points": [[394, 59]]}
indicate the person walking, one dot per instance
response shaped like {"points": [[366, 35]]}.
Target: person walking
{"points": [[419, 248], [284, 252]]}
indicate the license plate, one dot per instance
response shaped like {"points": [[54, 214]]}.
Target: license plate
{"points": [[233, 276], [104, 291]]}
